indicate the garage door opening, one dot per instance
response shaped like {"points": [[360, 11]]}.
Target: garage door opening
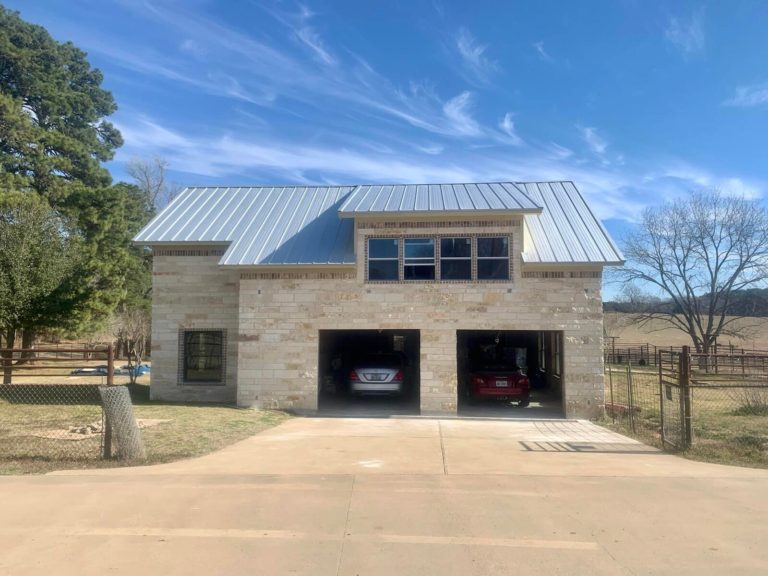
{"points": [[510, 373], [369, 372]]}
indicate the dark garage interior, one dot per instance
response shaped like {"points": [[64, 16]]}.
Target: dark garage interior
{"points": [[358, 371], [493, 366]]}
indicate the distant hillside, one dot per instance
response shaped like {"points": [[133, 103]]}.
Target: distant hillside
{"points": [[752, 302]]}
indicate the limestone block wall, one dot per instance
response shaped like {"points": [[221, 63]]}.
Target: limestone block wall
{"points": [[190, 291], [280, 315]]}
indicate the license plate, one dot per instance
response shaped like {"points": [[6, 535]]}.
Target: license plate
{"points": [[376, 377], [501, 383]]}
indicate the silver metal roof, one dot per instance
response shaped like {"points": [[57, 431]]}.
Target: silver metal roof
{"points": [[268, 225], [300, 225], [445, 198], [566, 231]]}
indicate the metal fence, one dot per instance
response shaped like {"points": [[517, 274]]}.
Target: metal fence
{"points": [[632, 400], [51, 407], [715, 404], [641, 354]]}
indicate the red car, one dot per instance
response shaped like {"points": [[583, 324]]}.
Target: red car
{"points": [[500, 383]]}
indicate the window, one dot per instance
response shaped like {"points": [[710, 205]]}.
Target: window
{"points": [[383, 259], [463, 258], [455, 259], [419, 262], [493, 258], [203, 356]]}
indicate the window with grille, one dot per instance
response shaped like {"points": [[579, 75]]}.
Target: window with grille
{"points": [[202, 356]]}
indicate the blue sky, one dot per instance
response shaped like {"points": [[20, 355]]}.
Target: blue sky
{"points": [[635, 101]]}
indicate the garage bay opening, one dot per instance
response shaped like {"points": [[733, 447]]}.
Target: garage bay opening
{"points": [[369, 372], [510, 373]]}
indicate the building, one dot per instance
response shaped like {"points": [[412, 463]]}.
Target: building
{"points": [[262, 294]]}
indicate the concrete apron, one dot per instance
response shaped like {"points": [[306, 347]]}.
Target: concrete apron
{"points": [[395, 496], [437, 446]]}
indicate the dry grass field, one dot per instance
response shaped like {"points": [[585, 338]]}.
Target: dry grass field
{"points": [[658, 333]]}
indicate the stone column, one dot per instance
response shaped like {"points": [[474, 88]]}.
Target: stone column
{"points": [[438, 372]]}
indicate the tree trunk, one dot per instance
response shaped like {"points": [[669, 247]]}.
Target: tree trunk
{"points": [[27, 343], [10, 338]]}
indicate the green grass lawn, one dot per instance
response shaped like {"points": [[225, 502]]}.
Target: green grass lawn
{"points": [[191, 430]]}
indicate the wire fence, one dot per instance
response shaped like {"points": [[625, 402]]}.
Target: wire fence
{"points": [[53, 422], [632, 401], [51, 406], [713, 405]]}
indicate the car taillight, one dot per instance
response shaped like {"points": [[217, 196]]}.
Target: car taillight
{"points": [[399, 376], [478, 381], [353, 375]]}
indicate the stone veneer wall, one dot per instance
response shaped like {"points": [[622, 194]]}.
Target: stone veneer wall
{"points": [[280, 316], [189, 290]]}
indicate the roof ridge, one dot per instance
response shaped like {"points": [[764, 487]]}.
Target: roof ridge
{"points": [[353, 186]]}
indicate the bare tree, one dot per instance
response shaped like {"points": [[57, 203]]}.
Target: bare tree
{"points": [[133, 327], [697, 251], [150, 176]]}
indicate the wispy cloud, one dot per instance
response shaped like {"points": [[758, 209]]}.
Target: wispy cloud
{"points": [[596, 143], [358, 124], [431, 149], [541, 51], [476, 65], [749, 96], [303, 31], [268, 72], [261, 156], [700, 178], [687, 33], [507, 125], [458, 111]]}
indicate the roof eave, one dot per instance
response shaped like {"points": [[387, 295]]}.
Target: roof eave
{"points": [[463, 213], [138, 242], [268, 267], [565, 264]]}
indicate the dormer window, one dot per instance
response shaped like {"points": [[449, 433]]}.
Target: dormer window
{"points": [[456, 258], [419, 262], [493, 258], [383, 259], [438, 258]]}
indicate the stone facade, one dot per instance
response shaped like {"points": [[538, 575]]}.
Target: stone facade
{"points": [[190, 291], [273, 318]]}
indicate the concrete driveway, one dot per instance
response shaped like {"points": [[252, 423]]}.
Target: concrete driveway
{"points": [[396, 496]]}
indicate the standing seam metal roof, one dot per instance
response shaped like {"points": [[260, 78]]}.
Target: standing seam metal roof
{"points": [[303, 225], [411, 198], [566, 231]]}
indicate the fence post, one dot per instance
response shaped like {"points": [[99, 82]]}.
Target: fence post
{"points": [[685, 399], [661, 395], [110, 365], [631, 393], [613, 405]]}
